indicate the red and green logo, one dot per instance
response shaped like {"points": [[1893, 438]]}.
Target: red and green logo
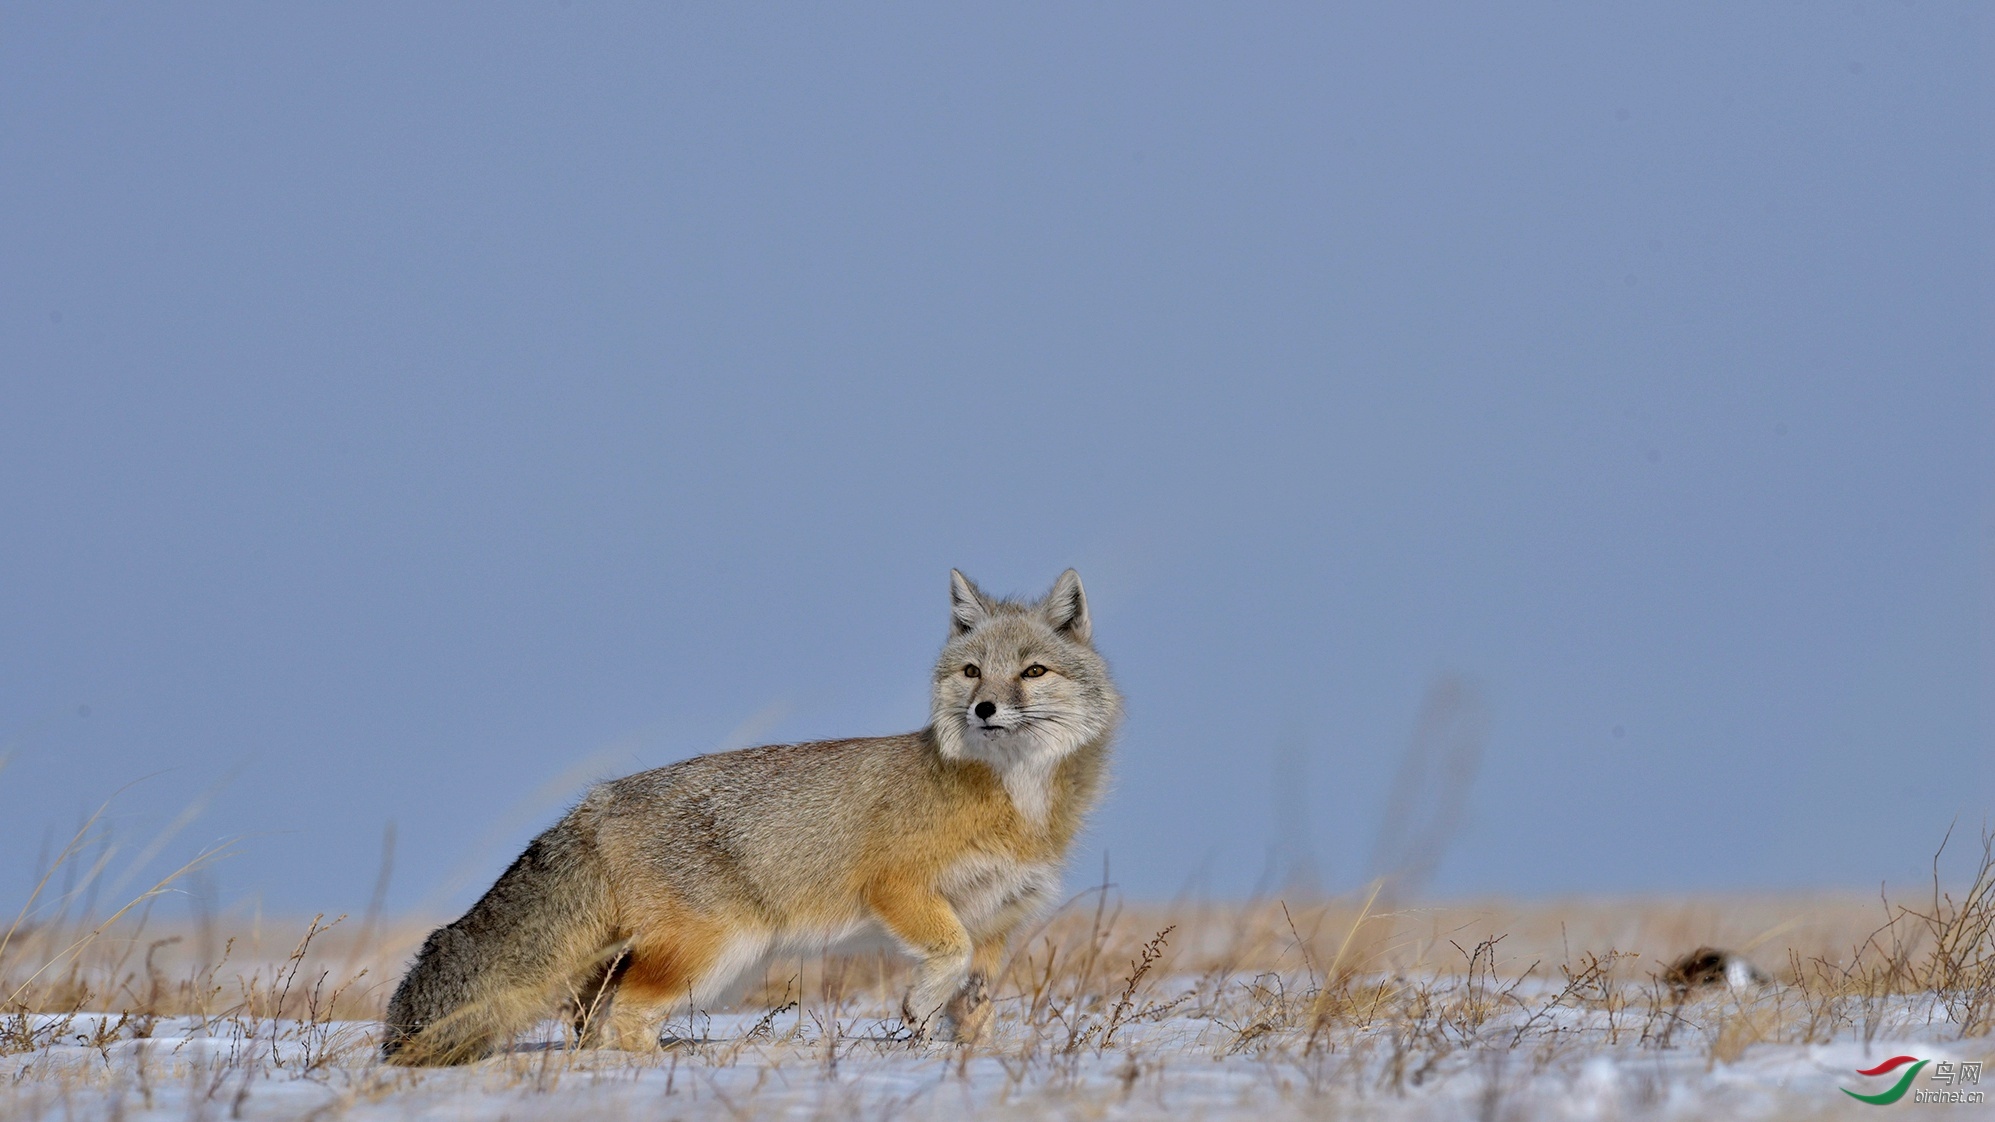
{"points": [[1897, 1091]]}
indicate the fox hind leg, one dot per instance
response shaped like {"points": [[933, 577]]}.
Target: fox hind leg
{"points": [[686, 975], [592, 1005]]}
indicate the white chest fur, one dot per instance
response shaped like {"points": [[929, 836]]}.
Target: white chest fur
{"points": [[986, 887], [1029, 782], [1025, 764]]}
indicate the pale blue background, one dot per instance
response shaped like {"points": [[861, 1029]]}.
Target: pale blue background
{"points": [[406, 411]]}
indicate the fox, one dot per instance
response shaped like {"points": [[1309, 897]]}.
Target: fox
{"points": [[663, 892]]}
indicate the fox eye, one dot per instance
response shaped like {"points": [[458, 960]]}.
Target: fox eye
{"points": [[1033, 671], [971, 671]]}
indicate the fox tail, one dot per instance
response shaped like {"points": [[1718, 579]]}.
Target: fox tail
{"points": [[548, 922]]}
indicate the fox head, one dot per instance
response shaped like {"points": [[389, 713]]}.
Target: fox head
{"points": [[1020, 683]]}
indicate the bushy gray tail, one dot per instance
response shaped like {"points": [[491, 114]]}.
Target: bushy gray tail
{"points": [[497, 970]]}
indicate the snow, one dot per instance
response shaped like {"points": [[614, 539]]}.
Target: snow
{"points": [[1531, 1057]]}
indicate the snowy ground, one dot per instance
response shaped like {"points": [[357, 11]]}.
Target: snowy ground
{"points": [[1525, 1052]]}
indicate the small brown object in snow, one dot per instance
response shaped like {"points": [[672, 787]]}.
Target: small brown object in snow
{"points": [[1710, 966]]}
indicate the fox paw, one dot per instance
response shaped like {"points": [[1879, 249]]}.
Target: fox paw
{"points": [[916, 1025], [968, 1014], [959, 1015]]}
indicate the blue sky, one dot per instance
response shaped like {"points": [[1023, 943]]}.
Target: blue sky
{"points": [[412, 413]]}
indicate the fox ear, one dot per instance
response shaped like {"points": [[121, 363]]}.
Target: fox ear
{"points": [[1066, 607], [967, 606]]}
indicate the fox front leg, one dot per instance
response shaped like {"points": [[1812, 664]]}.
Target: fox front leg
{"points": [[968, 1014], [925, 923]]}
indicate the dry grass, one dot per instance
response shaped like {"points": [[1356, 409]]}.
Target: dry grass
{"points": [[1271, 1006]]}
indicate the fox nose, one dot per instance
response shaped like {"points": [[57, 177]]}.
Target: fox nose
{"points": [[985, 710]]}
